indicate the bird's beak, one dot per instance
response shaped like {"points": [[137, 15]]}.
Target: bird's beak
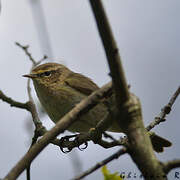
{"points": [[30, 76]]}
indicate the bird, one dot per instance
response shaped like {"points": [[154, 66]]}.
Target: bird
{"points": [[59, 90]]}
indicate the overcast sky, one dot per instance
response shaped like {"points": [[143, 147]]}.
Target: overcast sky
{"points": [[147, 33]]}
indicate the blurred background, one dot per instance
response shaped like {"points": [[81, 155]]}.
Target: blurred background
{"points": [[147, 33]]}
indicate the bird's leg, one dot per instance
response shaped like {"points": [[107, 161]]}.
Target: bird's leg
{"points": [[96, 137], [103, 125]]}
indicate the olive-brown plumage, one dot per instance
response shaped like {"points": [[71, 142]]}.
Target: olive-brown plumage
{"points": [[59, 90]]}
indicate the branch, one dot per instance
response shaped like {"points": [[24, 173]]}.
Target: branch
{"points": [[40, 129], [12, 102], [25, 48], [112, 54], [31, 104], [168, 166], [128, 107], [102, 163], [165, 110], [61, 125]]}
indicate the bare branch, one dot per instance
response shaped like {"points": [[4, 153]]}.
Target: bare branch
{"points": [[102, 163], [128, 107], [25, 48], [12, 102], [40, 129], [165, 110], [111, 49]]}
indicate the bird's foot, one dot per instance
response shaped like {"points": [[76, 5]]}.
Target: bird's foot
{"points": [[69, 142]]}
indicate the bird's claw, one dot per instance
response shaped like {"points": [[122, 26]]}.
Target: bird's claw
{"points": [[83, 148], [65, 151], [76, 141], [66, 139]]}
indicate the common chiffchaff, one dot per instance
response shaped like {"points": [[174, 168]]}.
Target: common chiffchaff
{"points": [[59, 90]]}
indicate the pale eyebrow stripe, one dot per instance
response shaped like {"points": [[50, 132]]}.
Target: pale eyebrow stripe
{"points": [[45, 70]]}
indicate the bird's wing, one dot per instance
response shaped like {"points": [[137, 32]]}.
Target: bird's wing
{"points": [[81, 83]]}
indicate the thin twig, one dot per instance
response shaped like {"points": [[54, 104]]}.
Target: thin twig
{"points": [[12, 102], [165, 110], [102, 163], [25, 48]]}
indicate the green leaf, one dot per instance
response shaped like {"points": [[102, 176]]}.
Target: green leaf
{"points": [[109, 176]]}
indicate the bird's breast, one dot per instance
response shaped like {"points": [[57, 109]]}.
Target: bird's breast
{"points": [[57, 102]]}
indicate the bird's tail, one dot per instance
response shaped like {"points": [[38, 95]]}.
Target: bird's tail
{"points": [[158, 142]]}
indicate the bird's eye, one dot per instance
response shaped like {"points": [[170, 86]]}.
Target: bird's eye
{"points": [[47, 73]]}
